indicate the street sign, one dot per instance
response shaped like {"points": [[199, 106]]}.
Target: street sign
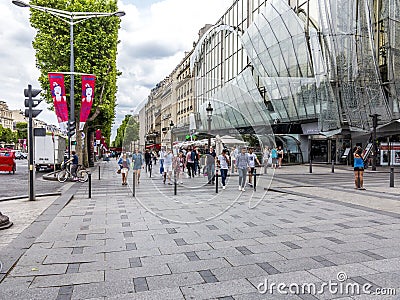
{"points": [[39, 131]]}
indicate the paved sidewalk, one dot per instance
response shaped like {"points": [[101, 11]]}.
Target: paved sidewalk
{"points": [[199, 245], [22, 213]]}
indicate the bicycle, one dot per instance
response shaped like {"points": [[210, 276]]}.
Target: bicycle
{"points": [[65, 173]]}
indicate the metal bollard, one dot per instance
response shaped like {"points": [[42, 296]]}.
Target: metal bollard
{"points": [[175, 184], [333, 166], [99, 172], [90, 185], [310, 166], [255, 179], [134, 184], [151, 168], [216, 181], [358, 179], [391, 184]]}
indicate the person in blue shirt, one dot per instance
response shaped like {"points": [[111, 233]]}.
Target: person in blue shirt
{"points": [[137, 160], [274, 156], [74, 160], [359, 169]]}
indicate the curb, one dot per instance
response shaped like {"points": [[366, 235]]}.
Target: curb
{"points": [[27, 196], [50, 176]]}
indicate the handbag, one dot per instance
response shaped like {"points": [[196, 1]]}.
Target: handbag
{"points": [[119, 171]]}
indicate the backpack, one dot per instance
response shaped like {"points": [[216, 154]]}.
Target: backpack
{"points": [[193, 155]]}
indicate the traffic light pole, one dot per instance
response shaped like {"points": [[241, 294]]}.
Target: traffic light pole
{"points": [[72, 92], [30, 147]]}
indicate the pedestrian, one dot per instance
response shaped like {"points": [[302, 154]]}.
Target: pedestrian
{"points": [[223, 164], [274, 156], [147, 159], [179, 166], [190, 156], [74, 160], [196, 161], [358, 169], [210, 165], [161, 158], [235, 153], [137, 160], [280, 157], [168, 159], [154, 155], [124, 164], [252, 164], [242, 165], [266, 155]]}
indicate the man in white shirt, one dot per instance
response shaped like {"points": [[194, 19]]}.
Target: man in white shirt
{"points": [[168, 159], [252, 164]]}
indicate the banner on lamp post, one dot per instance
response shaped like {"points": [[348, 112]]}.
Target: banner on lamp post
{"points": [[88, 84], [57, 88]]}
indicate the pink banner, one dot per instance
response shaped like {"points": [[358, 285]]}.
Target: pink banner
{"points": [[88, 83], [59, 99]]}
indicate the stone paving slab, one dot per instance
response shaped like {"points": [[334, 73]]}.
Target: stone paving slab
{"points": [[113, 247]]}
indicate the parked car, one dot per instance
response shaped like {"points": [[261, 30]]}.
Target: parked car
{"points": [[7, 161]]}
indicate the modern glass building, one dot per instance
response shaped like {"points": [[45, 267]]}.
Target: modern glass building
{"points": [[311, 71]]}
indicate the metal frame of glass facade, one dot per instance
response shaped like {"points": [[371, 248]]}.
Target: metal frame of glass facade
{"points": [[332, 60]]}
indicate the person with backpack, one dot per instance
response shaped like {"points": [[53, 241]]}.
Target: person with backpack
{"points": [[124, 164], [190, 155]]}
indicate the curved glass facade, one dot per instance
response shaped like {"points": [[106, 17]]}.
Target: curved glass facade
{"points": [[332, 67], [238, 105]]}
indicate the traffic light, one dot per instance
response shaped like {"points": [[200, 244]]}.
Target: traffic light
{"points": [[375, 120], [71, 128], [30, 102]]}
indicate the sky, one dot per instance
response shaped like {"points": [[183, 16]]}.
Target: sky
{"points": [[154, 36]]}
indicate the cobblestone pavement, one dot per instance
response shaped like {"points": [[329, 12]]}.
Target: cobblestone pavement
{"points": [[200, 245]]}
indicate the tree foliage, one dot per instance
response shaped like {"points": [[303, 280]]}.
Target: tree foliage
{"points": [[7, 135], [127, 132], [22, 130], [95, 50]]}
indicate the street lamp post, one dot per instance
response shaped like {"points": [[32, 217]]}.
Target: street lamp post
{"points": [[70, 18], [209, 110], [171, 126]]}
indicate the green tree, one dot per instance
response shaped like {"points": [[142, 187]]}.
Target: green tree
{"points": [[127, 132], [95, 51], [7, 135]]}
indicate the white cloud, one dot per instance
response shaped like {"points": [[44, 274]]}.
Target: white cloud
{"points": [[154, 36]]}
